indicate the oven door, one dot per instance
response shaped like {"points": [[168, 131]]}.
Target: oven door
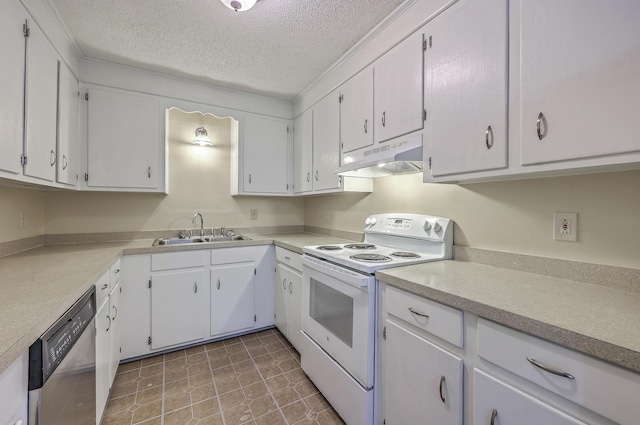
{"points": [[338, 313]]}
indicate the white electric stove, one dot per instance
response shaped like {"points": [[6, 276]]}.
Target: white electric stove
{"points": [[339, 294]]}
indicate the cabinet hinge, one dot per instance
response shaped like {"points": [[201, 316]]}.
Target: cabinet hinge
{"points": [[287, 186], [149, 341], [86, 177], [424, 115], [255, 271], [424, 45], [23, 160], [287, 129], [430, 42], [255, 318], [429, 162], [341, 98], [25, 29], [149, 283], [86, 96], [384, 333]]}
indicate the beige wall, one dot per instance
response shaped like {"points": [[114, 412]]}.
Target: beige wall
{"points": [[514, 216], [14, 199], [199, 182]]}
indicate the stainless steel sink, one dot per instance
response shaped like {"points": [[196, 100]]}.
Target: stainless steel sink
{"points": [[199, 240]]}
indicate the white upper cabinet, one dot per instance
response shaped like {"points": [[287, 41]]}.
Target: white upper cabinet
{"points": [[123, 141], [356, 111], [41, 90], [265, 156], [303, 152], [398, 81], [68, 98], [466, 88], [580, 91], [12, 19], [326, 143]]}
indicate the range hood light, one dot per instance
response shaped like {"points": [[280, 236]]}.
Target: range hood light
{"points": [[239, 5], [202, 139]]}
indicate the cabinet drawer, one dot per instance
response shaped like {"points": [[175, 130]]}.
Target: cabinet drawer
{"points": [[115, 273], [233, 255], [290, 258], [177, 260], [601, 387], [102, 288], [511, 406], [442, 321]]}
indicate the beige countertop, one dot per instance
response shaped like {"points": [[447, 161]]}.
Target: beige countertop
{"points": [[593, 319], [37, 286]]}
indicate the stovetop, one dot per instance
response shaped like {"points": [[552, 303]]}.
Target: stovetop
{"points": [[392, 240]]}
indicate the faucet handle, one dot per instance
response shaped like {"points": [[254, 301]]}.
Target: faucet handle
{"points": [[222, 231]]}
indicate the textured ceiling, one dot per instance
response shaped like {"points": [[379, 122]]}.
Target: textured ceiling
{"points": [[275, 49]]}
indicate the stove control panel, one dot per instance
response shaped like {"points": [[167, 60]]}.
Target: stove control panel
{"points": [[398, 223]]}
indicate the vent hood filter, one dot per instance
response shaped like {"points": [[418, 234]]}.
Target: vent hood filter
{"points": [[393, 157]]}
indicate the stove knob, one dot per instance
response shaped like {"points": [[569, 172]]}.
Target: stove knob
{"points": [[373, 221], [437, 227], [367, 221], [427, 225]]}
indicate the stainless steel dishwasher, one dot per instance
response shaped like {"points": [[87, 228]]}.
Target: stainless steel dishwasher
{"points": [[62, 369]]}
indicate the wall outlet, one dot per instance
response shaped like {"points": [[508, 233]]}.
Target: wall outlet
{"points": [[565, 227], [254, 214], [23, 219]]}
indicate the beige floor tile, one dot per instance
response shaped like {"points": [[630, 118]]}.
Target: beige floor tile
{"points": [[248, 378], [194, 350], [150, 382], [316, 403], [244, 366], [286, 396], [225, 385], [152, 360], [273, 418], [295, 412], [278, 382], [256, 390], [203, 392], [232, 399], [123, 389], [262, 405], [120, 418], [120, 404], [155, 421], [296, 375], [289, 364], [268, 339], [149, 395], [200, 379], [152, 370], [305, 388], [257, 351], [238, 415], [223, 372], [174, 387], [175, 374], [129, 376], [178, 417], [197, 368], [329, 417], [212, 420], [269, 370], [177, 401], [205, 408], [147, 411], [128, 367]]}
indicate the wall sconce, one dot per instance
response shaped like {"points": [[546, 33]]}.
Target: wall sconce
{"points": [[239, 5], [201, 137]]}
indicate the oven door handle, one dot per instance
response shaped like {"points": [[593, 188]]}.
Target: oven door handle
{"points": [[348, 276]]}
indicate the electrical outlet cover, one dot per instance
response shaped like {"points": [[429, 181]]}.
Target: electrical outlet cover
{"points": [[565, 227]]}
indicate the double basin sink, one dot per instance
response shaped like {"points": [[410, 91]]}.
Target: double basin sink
{"points": [[198, 240]]}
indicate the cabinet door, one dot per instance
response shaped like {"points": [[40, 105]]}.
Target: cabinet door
{"points": [[398, 82], [466, 87], [303, 152], [177, 308], [282, 299], [584, 95], [326, 143], [265, 155], [123, 138], [422, 382], [294, 310], [232, 298], [495, 402], [356, 111], [41, 106], [68, 98], [114, 332], [12, 18], [103, 382]]}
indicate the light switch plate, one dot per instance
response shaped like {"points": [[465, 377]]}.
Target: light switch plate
{"points": [[565, 227], [254, 214]]}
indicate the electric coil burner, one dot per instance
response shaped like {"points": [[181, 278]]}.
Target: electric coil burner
{"points": [[402, 254], [374, 258], [360, 246], [329, 248]]}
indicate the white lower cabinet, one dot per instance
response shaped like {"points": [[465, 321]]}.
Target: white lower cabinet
{"points": [[496, 403], [232, 298], [423, 382], [289, 295], [14, 391]]}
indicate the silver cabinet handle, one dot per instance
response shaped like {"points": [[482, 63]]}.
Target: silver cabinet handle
{"points": [[308, 177], [117, 271], [195, 287], [441, 384], [494, 413], [249, 178], [366, 122], [488, 137], [541, 122], [218, 283], [290, 290], [417, 313], [550, 370], [105, 286], [284, 284], [109, 325], [384, 119], [287, 258], [317, 175], [64, 162], [149, 172], [115, 312], [52, 158]]}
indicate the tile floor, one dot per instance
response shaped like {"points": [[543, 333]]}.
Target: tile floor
{"points": [[254, 379]]}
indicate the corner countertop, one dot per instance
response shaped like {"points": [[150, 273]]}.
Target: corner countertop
{"points": [[37, 286], [592, 319]]}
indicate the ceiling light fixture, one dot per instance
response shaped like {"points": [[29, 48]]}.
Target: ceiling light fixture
{"points": [[239, 5], [202, 139]]}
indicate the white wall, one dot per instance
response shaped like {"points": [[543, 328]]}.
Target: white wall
{"points": [[199, 179]]}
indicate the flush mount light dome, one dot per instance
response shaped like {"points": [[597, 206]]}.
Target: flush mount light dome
{"points": [[202, 139], [239, 5]]}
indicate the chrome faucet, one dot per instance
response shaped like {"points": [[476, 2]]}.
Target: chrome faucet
{"points": [[193, 221]]}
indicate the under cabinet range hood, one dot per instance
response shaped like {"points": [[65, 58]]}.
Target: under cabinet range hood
{"points": [[398, 156]]}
